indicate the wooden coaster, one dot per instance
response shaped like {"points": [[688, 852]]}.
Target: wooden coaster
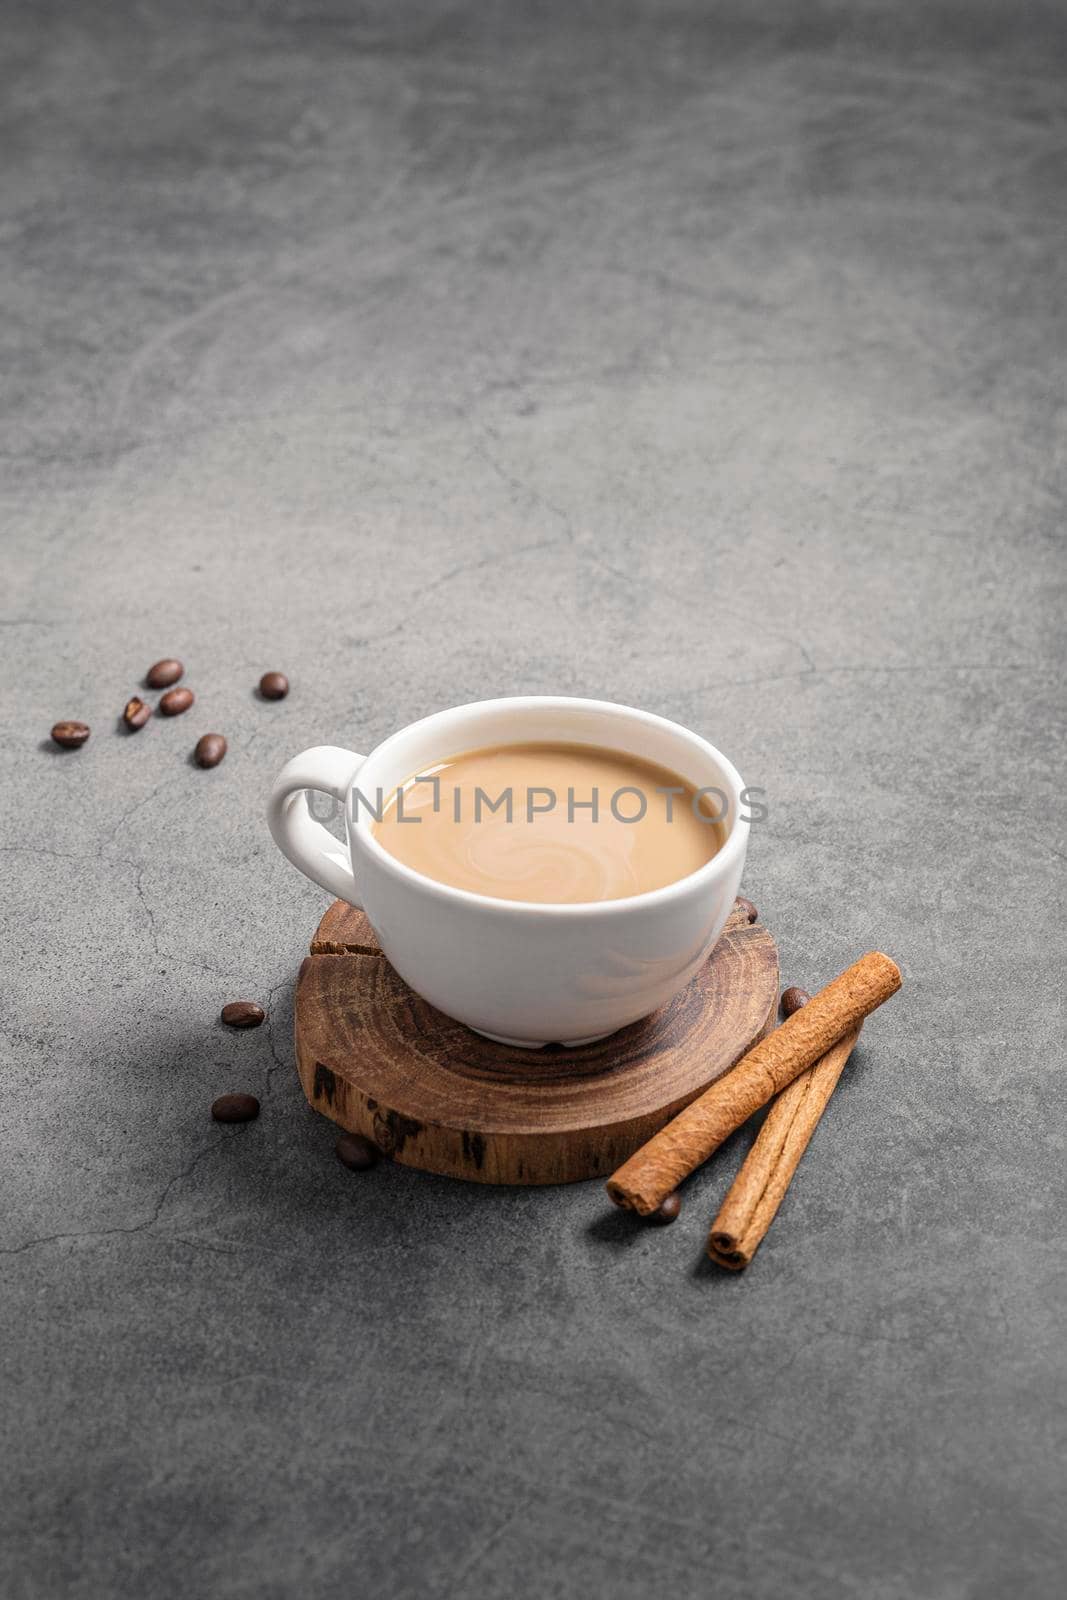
{"points": [[382, 1062]]}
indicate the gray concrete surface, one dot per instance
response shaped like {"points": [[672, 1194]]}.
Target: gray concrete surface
{"points": [[708, 358]]}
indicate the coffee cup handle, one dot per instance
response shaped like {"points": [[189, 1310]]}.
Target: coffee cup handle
{"points": [[306, 843]]}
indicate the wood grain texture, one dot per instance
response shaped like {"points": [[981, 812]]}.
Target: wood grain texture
{"points": [[379, 1060]]}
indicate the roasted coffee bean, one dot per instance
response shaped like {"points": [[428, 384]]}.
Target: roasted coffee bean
{"points": [[235, 1108], [746, 906], [793, 999], [163, 674], [667, 1211], [136, 713], [175, 701], [71, 735], [356, 1152], [210, 749], [243, 1014], [274, 686]]}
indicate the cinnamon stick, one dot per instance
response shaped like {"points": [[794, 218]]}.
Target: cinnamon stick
{"points": [[645, 1180], [759, 1188]]}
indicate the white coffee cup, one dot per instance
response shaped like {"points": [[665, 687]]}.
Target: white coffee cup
{"points": [[522, 972]]}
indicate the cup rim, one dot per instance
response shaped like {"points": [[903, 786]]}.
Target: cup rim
{"points": [[718, 866]]}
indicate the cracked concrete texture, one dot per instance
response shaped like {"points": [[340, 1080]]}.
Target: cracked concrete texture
{"points": [[704, 358]]}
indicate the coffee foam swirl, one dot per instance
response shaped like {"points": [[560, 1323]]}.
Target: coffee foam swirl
{"points": [[552, 854]]}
